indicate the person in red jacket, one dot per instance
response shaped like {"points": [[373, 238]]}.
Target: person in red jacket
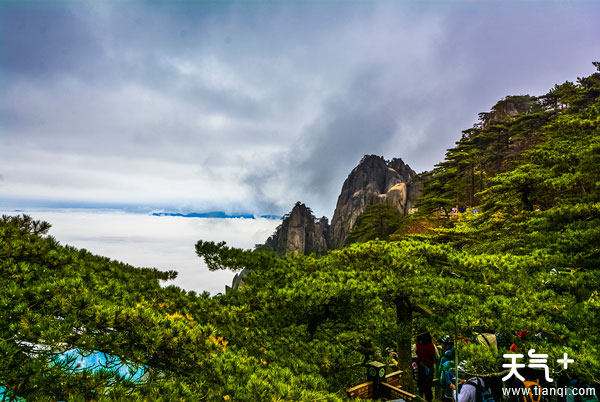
{"points": [[426, 358]]}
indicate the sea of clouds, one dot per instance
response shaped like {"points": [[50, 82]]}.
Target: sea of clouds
{"points": [[163, 242]]}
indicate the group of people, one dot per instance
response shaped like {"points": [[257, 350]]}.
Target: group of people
{"points": [[462, 210], [431, 363], [436, 367]]}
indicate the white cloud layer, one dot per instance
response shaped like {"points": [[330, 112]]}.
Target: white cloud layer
{"points": [[162, 242]]}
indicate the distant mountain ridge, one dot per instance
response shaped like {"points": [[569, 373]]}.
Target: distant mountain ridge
{"points": [[217, 215]]}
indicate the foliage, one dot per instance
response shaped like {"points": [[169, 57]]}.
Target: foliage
{"points": [[54, 298], [525, 256], [378, 221]]}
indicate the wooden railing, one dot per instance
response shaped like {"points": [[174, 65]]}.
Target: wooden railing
{"points": [[389, 389]]}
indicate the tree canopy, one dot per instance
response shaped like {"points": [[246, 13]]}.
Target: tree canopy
{"points": [[378, 221], [525, 256]]}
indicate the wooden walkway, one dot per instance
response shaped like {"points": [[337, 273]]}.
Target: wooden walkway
{"points": [[389, 388]]}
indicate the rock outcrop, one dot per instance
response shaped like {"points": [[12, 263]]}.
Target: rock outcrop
{"points": [[373, 181], [238, 280], [300, 232], [508, 107]]}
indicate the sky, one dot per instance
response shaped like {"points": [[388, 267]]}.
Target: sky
{"points": [[252, 106]]}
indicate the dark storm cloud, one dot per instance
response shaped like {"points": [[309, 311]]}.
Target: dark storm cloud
{"points": [[257, 105], [42, 39]]}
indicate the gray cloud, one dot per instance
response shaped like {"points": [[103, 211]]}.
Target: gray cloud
{"points": [[255, 106], [40, 40]]}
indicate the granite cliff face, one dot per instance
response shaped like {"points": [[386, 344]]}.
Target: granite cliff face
{"points": [[300, 232], [373, 181]]}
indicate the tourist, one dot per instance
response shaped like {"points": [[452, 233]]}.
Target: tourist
{"points": [[474, 390], [426, 358]]}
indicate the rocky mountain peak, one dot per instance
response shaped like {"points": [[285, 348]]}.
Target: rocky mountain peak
{"points": [[300, 232], [374, 180]]}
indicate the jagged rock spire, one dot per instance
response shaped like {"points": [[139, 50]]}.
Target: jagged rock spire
{"points": [[300, 232], [374, 180]]}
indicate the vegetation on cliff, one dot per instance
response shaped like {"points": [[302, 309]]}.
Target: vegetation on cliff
{"points": [[523, 256], [378, 221]]}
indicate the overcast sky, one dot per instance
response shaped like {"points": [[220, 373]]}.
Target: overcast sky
{"points": [[251, 106]]}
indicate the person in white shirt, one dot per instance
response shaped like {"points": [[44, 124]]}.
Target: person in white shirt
{"points": [[468, 390]]}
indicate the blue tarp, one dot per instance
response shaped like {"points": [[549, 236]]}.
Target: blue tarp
{"points": [[77, 360]]}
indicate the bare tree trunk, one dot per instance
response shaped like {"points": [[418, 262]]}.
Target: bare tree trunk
{"points": [[472, 195], [404, 315]]}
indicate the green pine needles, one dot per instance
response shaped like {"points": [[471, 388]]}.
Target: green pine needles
{"points": [[524, 255]]}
